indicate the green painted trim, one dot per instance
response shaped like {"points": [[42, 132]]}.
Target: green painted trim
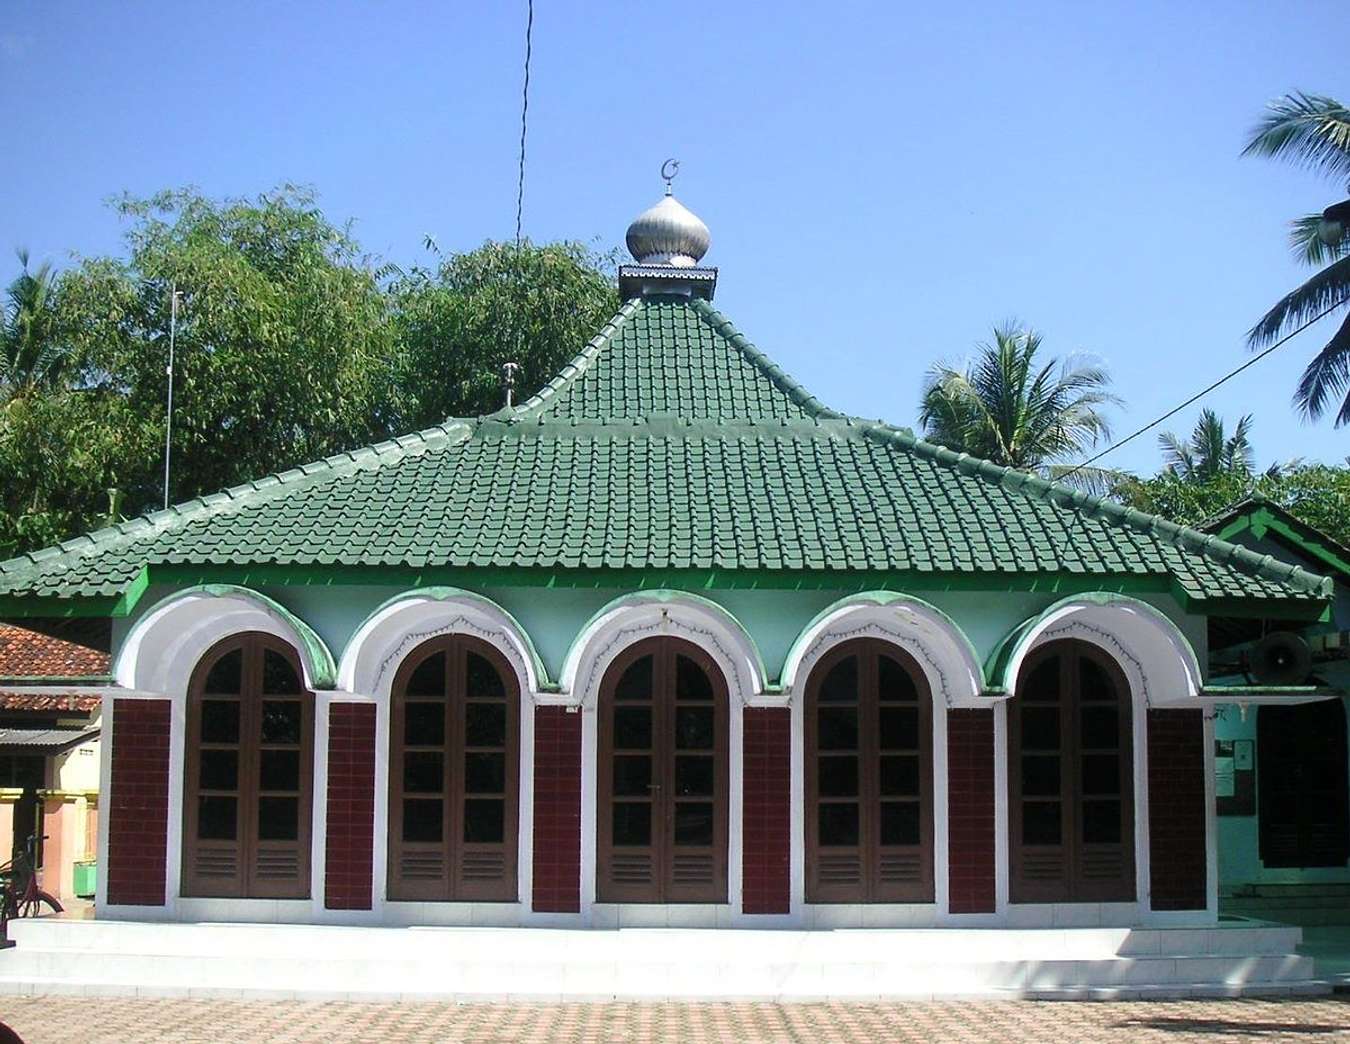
{"points": [[412, 577], [1322, 552], [1237, 692], [654, 579], [131, 594], [14, 608], [1001, 658]]}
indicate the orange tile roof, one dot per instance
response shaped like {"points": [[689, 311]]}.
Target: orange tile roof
{"points": [[28, 654], [66, 702]]}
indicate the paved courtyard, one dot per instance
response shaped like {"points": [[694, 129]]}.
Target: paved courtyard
{"points": [[49, 1020]]}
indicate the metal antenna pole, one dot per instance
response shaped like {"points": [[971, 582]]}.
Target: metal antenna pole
{"points": [[168, 421]]}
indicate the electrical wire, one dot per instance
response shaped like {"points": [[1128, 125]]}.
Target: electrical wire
{"points": [[524, 114], [1204, 391]]}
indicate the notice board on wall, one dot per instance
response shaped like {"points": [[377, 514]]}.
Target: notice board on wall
{"points": [[1235, 777]]}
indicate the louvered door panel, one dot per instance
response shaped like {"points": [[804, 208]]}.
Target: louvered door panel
{"points": [[217, 865], [901, 868], [279, 866], [422, 866]]}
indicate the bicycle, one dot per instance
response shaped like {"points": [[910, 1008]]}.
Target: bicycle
{"points": [[20, 895]]}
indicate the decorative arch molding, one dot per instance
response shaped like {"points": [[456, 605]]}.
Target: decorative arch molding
{"points": [[379, 645], [1158, 659], [651, 613], [165, 644], [928, 634]]}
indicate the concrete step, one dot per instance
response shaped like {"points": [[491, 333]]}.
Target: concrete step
{"points": [[530, 963]]}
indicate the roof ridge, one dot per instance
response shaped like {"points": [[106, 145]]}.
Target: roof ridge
{"points": [[152, 523], [1186, 538], [573, 369], [780, 378]]}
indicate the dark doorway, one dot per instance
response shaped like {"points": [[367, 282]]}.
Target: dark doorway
{"points": [[27, 773], [454, 774], [1071, 778], [662, 777], [1302, 785], [249, 766], [869, 777]]}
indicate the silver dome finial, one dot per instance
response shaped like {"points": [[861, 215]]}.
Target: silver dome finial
{"points": [[668, 233]]}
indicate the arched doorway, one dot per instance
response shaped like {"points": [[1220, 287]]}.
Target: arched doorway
{"points": [[454, 772], [869, 777], [248, 790], [1071, 778], [662, 777]]}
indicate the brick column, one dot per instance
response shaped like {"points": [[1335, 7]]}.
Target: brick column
{"points": [[970, 811], [557, 810], [1176, 810], [350, 839], [767, 810], [138, 805]]}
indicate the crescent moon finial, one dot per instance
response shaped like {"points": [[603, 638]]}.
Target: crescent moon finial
{"points": [[669, 169]]}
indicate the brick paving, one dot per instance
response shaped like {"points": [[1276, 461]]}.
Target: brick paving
{"points": [[66, 1020]]}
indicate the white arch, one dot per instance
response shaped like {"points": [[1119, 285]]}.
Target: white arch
{"points": [[164, 646], [924, 631], [647, 614], [374, 652], [1156, 657]]}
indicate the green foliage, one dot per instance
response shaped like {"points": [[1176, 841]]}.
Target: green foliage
{"points": [[456, 325], [1311, 131], [1317, 494], [31, 353], [282, 336], [291, 345], [1210, 450], [1007, 407]]}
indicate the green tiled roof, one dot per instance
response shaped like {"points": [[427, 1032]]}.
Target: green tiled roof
{"points": [[669, 443]]}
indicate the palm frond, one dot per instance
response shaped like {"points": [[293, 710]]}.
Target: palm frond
{"points": [[1326, 289], [1305, 241], [1310, 130], [1326, 376]]}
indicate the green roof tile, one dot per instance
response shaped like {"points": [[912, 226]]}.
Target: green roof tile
{"points": [[669, 442]]}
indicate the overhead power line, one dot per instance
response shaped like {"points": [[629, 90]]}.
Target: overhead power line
{"points": [[524, 114], [1204, 391]]}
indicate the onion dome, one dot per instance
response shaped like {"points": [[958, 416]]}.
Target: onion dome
{"points": [[668, 234]]}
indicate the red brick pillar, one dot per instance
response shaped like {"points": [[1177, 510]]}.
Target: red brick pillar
{"points": [[767, 810], [350, 840], [138, 805], [557, 810], [1176, 810], [970, 811]]}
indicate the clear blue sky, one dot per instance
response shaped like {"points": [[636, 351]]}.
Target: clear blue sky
{"points": [[883, 181]]}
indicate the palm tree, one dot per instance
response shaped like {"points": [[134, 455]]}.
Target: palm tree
{"points": [[1210, 451], [1313, 131], [30, 357], [1008, 408]]}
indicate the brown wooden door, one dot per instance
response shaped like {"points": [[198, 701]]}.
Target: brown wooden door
{"points": [[662, 774], [1071, 779], [249, 768], [454, 768], [1302, 785], [869, 777]]}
